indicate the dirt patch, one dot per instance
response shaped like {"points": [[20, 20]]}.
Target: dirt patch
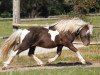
{"points": [[59, 65]]}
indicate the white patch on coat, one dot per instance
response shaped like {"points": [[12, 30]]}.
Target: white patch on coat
{"points": [[23, 34], [90, 28], [53, 34]]}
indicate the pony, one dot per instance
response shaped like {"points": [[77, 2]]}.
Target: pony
{"points": [[59, 34]]}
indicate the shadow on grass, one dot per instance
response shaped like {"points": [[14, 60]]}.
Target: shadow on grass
{"points": [[60, 64]]}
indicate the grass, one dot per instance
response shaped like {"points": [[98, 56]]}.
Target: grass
{"points": [[5, 27], [64, 71], [95, 20], [39, 22], [90, 53]]}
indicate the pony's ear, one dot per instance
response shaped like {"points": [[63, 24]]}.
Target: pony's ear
{"points": [[87, 32]]}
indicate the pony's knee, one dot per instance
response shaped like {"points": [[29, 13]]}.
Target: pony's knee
{"points": [[31, 52], [75, 50], [30, 55]]}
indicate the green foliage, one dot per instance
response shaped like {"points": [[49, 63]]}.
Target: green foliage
{"points": [[6, 8], [6, 14], [44, 8], [82, 6], [34, 8]]}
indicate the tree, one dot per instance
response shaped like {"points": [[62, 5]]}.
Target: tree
{"points": [[6, 8], [34, 8], [82, 6], [44, 8]]}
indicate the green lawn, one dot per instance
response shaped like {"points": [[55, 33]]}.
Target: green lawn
{"points": [[6, 25], [64, 71], [95, 20], [38, 22], [90, 53]]}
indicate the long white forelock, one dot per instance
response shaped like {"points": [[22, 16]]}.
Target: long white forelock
{"points": [[70, 25], [90, 28], [47, 27]]}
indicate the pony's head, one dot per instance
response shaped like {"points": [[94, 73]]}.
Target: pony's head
{"points": [[73, 25], [85, 33]]}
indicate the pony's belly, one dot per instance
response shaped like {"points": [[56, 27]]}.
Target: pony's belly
{"points": [[47, 45]]}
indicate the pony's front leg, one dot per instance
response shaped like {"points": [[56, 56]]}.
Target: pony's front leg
{"points": [[71, 47], [80, 57], [59, 50], [11, 56]]}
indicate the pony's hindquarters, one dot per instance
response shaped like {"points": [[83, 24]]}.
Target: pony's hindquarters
{"points": [[9, 43]]}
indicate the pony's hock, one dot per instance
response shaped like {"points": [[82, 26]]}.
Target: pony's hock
{"points": [[62, 33]]}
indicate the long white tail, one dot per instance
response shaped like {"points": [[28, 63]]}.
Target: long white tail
{"points": [[9, 43]]}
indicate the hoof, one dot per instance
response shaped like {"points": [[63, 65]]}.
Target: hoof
{"points": [[41, 65], [47, 62], [4, 68], [83, 62], [50, 60]]}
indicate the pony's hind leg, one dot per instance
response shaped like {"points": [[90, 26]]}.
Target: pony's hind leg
{"points": [[21, 47], [59, 50], [11, 56], [31, 54], [39, 62]]}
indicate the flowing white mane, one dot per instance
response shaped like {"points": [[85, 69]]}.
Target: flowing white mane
{"points": [[71, 25]]}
